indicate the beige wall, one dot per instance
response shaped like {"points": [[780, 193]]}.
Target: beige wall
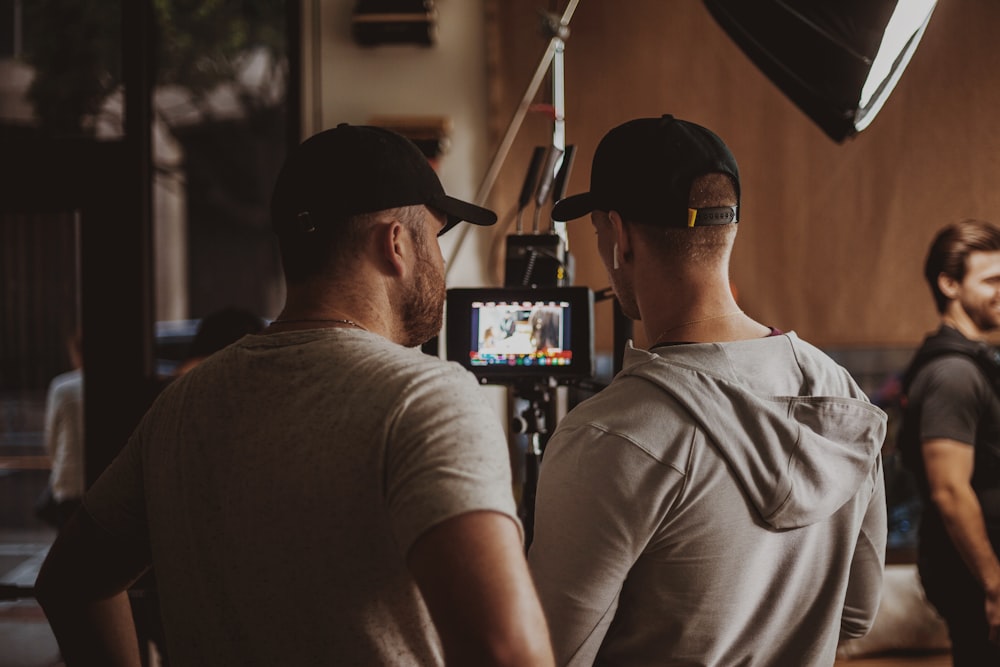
{"points": [[832, 237], [344, 82]]}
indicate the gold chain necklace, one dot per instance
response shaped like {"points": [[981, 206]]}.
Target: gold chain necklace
{"points": [[306, 321]]}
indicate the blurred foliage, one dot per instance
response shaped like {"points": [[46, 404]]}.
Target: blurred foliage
{"points": [[75, 48], [202, 40]]}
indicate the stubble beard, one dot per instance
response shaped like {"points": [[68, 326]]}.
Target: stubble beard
{"points": [[423, 304], [985, 316]]}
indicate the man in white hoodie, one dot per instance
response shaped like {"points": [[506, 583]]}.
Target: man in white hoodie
{"points": [[721, 502]]}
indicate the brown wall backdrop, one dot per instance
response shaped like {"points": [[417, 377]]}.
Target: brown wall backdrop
{"points": [[832, 236]]}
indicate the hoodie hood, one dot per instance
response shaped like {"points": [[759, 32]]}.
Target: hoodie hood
{"points": [[799, 457]]}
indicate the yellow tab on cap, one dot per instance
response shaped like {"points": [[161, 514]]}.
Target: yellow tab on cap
{"points": [[692, 214]]}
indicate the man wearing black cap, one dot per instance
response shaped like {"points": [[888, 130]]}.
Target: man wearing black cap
{"points": [[321, 493], [721, 502]]}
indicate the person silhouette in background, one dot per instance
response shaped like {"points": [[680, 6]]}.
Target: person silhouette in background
{"points": [[63, 437], [217, 330]]}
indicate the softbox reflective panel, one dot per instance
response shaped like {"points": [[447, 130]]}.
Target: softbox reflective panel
{"points": [[837, 60]]}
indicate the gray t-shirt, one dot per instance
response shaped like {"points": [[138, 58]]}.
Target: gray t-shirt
{"points": [[280, 485], [955, 401]]}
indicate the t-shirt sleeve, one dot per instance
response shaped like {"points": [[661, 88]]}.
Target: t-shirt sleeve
{"points": [[116, 501], [949, 392], [446, 455]]}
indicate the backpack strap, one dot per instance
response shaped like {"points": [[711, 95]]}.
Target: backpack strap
{"points": [[938, 344]]}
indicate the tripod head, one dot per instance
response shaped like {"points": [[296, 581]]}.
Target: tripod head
{"points": [[540, 409]]}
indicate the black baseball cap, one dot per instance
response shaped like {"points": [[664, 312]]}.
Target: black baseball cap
{"points": [[353, 169], [644, 169]]}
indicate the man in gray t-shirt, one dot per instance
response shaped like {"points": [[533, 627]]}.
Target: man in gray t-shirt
{"points": [[320, 493]]}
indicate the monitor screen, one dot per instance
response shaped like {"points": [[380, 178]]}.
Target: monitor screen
{"points": [[506, 333]]}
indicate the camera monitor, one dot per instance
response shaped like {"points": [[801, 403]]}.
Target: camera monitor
{"points": [[507, 333]]}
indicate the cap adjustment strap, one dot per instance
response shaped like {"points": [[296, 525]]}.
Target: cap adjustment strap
{"points": [[716, 215]]}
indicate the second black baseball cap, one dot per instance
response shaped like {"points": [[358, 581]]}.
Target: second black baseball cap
{"points": [[644, 169]]}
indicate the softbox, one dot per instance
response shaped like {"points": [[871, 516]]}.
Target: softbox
{"points": [[837, 60]]}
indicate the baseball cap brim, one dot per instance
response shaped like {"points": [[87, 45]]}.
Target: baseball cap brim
{"points": [[351, 170], [462, 211], [573, 207]]}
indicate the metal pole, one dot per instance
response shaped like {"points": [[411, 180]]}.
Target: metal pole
{"points": [[556, 43]]}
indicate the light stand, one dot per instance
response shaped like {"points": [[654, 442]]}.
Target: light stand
{"points": [[536, 260], [558, 30], [533, 422]]}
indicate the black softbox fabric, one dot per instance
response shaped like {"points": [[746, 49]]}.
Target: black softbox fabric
{"points": [[818, 52]]}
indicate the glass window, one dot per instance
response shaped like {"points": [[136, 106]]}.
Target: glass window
{"points": [[218, 135]]}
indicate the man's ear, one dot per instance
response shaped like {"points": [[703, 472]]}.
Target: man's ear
{"points": [[948, 286], [393, 245], [622, 235]]}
